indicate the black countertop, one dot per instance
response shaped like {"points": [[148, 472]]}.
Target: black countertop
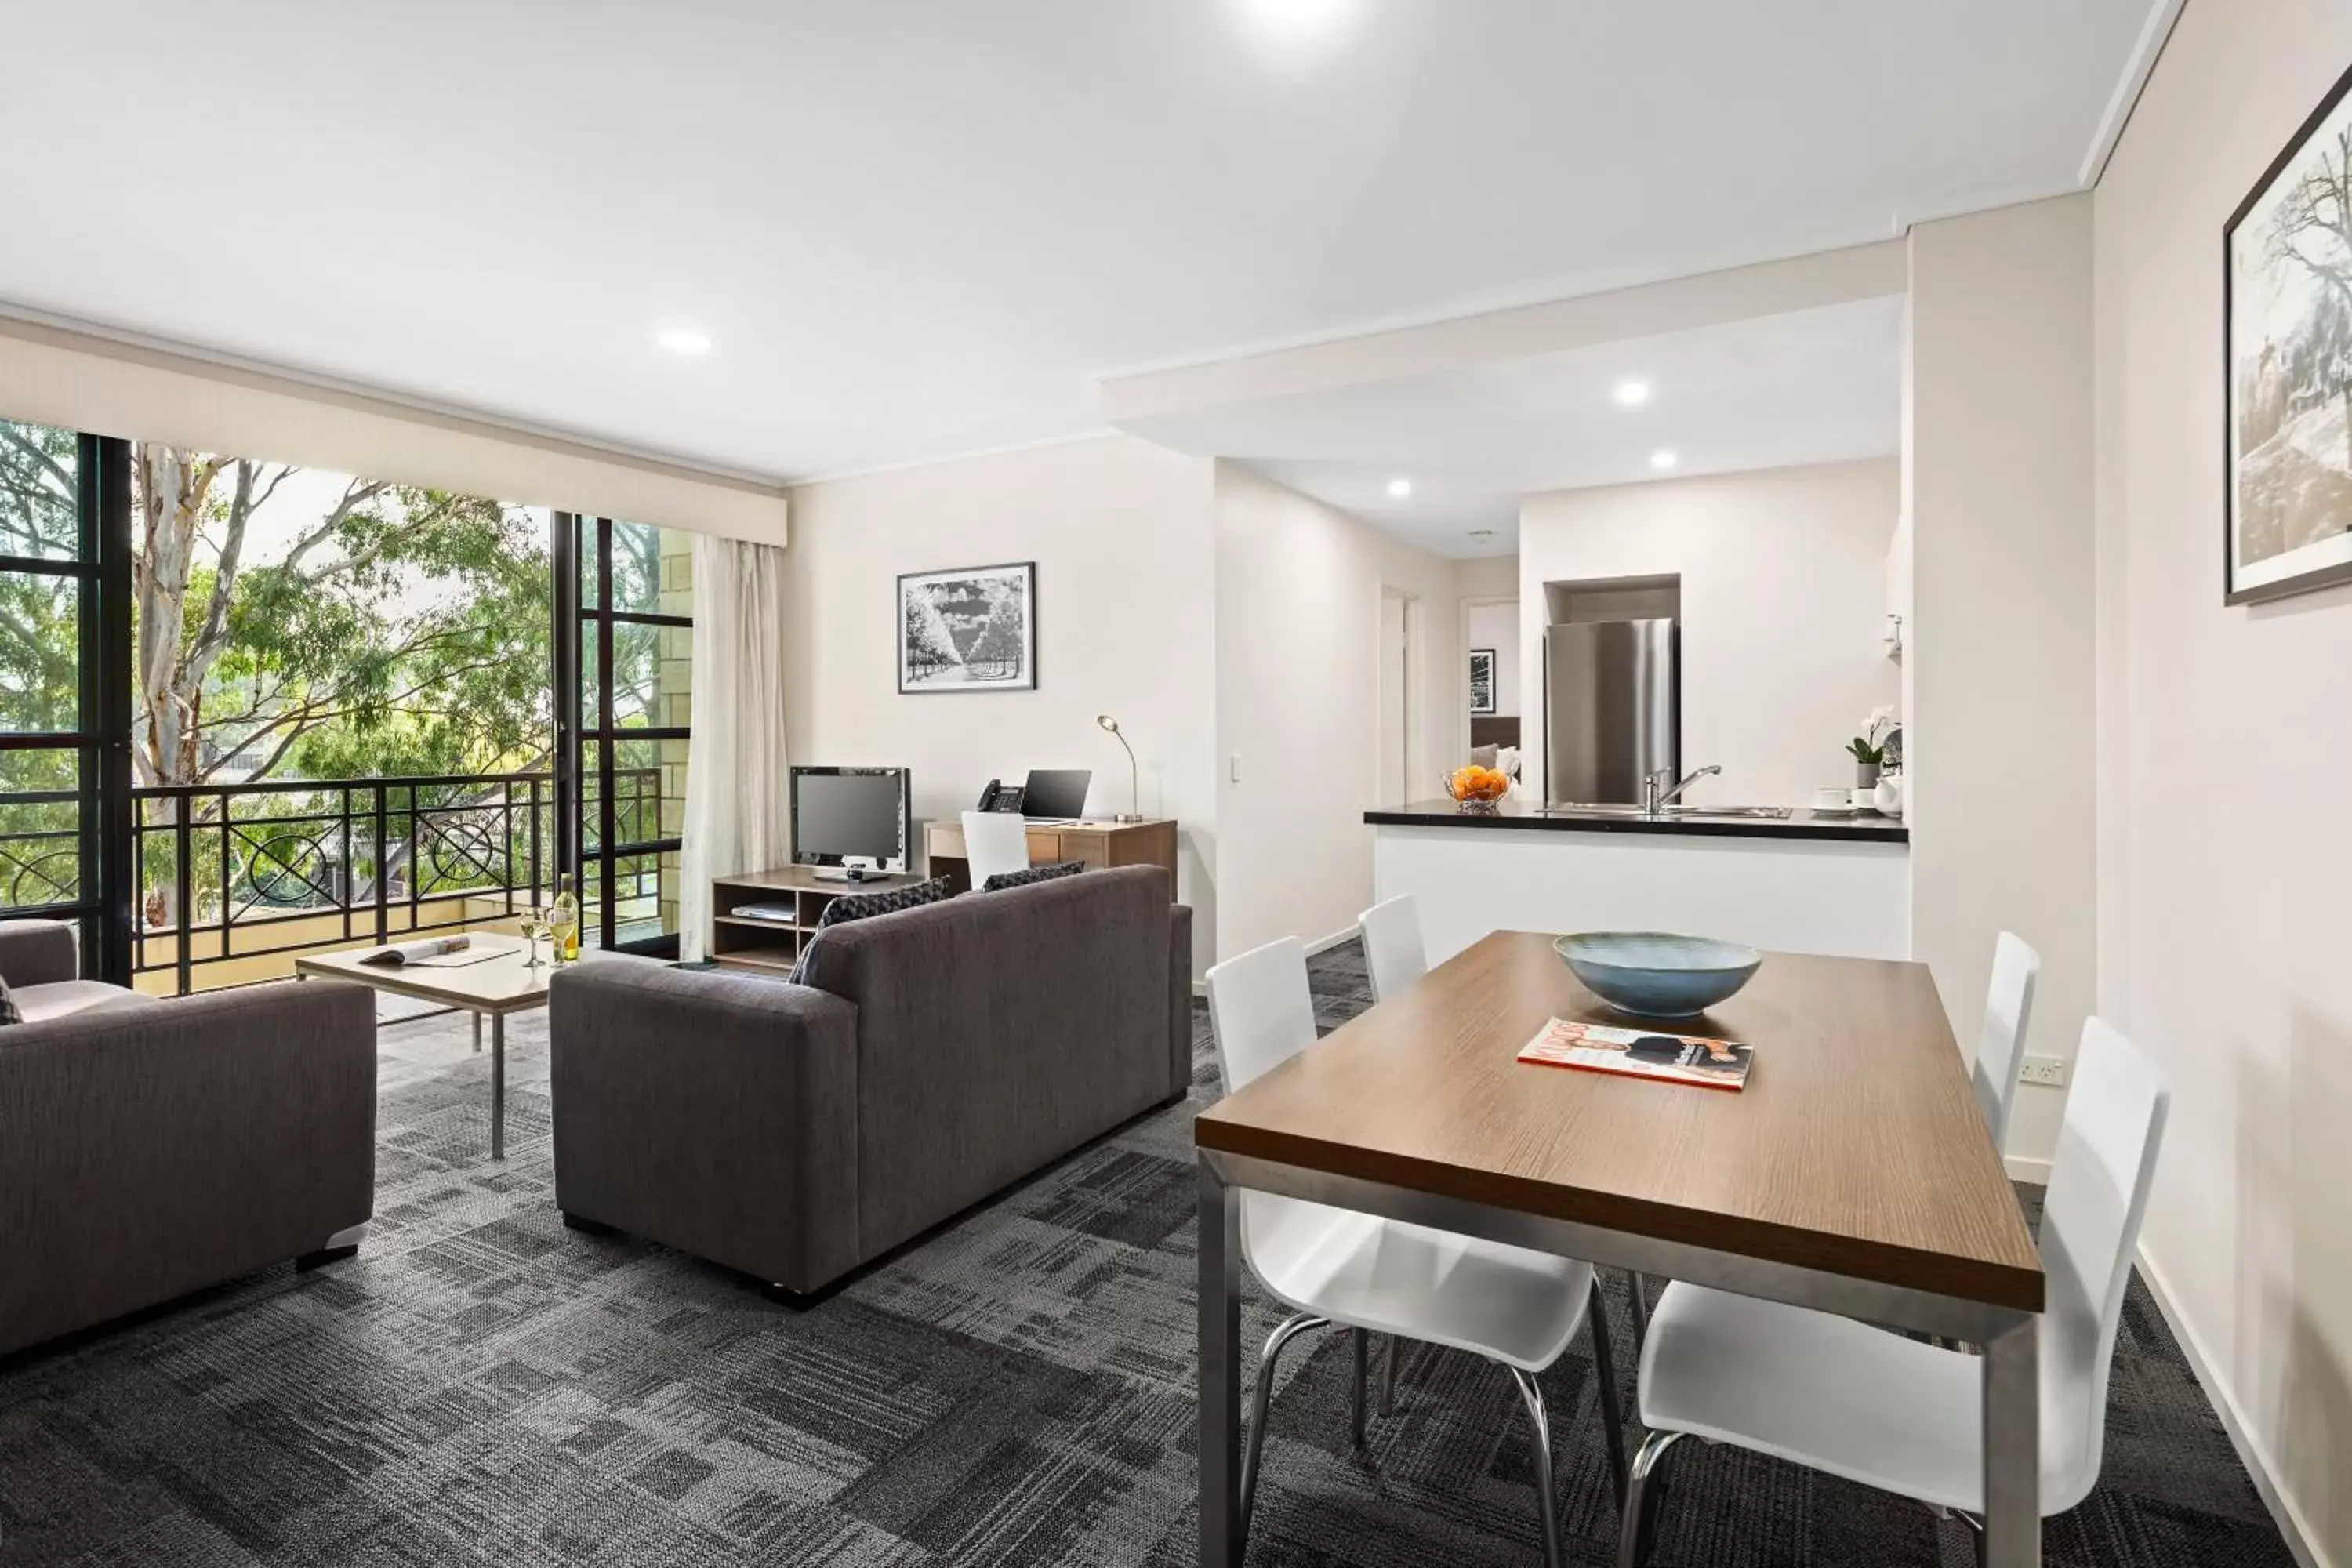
{"points": [[1868, 828]]}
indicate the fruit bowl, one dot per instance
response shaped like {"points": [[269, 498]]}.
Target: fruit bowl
{"points": [[1474, 788], [1658, 975]]}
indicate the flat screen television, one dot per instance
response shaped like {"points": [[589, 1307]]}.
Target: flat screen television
{"points": [[844, 816]]}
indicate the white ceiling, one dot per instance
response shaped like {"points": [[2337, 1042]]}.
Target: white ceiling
{"points": [[914, 228], [1810, 387]]}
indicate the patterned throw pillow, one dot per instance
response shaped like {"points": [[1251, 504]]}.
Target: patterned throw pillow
{"points": [[858, 906], [9, 1013], [1045, 873]]}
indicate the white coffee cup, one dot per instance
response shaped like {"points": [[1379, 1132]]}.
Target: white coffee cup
{"points": [[1865, 799], [1830, 797]]}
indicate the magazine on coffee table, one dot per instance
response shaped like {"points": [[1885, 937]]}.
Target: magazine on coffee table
{"points": [[434, 952], [1640, 1053]]}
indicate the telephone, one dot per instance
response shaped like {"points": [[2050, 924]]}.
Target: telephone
{"points": [[999, 796]]}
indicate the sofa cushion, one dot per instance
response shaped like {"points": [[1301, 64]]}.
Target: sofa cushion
{"points": [[861, 906], [1045, 873], [62, 998]]}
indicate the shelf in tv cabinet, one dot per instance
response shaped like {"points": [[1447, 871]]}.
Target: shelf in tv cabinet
{"points": [[767, 960], [758, 922]]}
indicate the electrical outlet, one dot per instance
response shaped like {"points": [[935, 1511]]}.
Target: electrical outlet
{"points": [[2048, 1070]]}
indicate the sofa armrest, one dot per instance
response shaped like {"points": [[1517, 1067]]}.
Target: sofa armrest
{"points": [[1179, 1001], [713, 1113], [38, 953], [147, 1152]]}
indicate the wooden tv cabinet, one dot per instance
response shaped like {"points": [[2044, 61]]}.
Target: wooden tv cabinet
{"points": [[767, 946]]}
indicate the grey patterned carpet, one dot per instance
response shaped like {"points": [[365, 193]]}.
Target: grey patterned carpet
{"points": [[481, 1385]]}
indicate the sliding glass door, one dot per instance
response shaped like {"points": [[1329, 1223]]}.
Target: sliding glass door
{"points": [[65, 687], [623, 684]]}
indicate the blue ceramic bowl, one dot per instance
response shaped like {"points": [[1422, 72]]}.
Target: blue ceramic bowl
{"points": [[1657, 975]]}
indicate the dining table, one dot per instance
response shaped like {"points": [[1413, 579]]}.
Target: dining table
{"points": [[1853, 1173]]}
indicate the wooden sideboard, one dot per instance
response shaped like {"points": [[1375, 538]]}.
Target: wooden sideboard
{"points": [[1101, 845], [772, 945]]}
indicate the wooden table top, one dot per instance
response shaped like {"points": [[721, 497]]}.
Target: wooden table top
{"points": [[500, 984], [1857, 1148]]}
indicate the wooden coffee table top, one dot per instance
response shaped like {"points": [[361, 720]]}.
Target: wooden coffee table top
{"points": [[1857, 1148], [500, 984]]}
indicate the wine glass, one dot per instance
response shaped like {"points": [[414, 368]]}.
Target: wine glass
{"points": [[535, 924]]}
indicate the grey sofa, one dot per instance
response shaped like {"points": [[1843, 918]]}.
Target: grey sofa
{"points": [[150, 1148], [796, 1131]]}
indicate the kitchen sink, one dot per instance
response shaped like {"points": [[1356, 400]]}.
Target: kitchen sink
{"points": [[1749, 812]]}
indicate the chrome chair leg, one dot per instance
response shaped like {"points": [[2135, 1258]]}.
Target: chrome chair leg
{"points": [[1389, 1376], [1604, 1368], [1254, 1439], [1642, 1498], [1540, 1425], [1642, 1487], [1359, 1348]]}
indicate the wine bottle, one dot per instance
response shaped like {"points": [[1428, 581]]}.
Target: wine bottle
{"points": [[564, 919]]}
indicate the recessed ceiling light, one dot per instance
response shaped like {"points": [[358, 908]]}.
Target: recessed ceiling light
{"points": [[1661, 458], [683, 340], [1400, 487], [1632, 393], [1298, 16]]}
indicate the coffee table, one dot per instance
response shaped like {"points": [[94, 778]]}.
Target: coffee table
{"points": [[490, 989]]}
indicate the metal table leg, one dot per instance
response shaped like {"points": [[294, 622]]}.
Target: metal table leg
{"points": [[477, 1033], [1221, 1332], [2013, 1449], [498, 1083]]}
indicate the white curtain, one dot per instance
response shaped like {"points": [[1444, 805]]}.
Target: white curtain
{"points": [[738, 799]]}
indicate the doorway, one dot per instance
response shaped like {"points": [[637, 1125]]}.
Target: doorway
{"points": [[1393, 776]]}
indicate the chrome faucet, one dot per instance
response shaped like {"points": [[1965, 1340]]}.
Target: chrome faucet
{"points": [[1661, 789]]}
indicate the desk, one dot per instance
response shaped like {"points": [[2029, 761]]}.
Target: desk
{"points": [[1852, 1174], [1101, 845]]}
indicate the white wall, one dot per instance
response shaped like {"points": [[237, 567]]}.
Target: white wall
{"points": [[1783, 596], [1119, 530], [1298, 631], [2225, 851], [1496, 625], [1998, 752]]}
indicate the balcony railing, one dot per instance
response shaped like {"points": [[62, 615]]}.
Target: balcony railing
{"points": [[234, 875]]}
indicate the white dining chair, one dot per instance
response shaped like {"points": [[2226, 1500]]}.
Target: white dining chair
{"points": [[2000, 1040], [1897, 1414], [995, 842], [1393, 954], [1335, 1267]]}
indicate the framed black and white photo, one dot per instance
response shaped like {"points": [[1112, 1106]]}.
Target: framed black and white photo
{"points": [[971, 629], [1482, 682], [2287, 327]]}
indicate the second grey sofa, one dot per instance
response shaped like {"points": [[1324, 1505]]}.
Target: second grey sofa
{"points": [[149, 1148], [942, 1053]]}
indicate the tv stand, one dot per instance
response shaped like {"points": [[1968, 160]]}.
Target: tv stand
{"points": [[765, 945]]}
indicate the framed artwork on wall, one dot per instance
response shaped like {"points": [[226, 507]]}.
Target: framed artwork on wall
{"points": [[1482, 682], [972, 628], [2286, 302]]}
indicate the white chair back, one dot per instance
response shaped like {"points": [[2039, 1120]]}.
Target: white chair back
{"points": [[2000, 1042], [995, 842], [2090, 1228], [1394, 955], [1261, 1013]]}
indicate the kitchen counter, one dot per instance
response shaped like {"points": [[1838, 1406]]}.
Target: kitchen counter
{"points": [[1798, 824], [1796, 884]]}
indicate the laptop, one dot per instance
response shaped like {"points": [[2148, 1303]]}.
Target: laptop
{"points": [[1055, 794]]}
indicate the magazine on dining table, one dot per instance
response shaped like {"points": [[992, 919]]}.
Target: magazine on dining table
{"points": [[1640, 1053]]}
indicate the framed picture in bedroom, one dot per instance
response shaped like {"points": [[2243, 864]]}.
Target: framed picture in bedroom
{"points": [[2286, 307], [1482, 682], [973, 628]]}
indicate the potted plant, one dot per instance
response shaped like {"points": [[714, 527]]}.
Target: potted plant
{"points": [[1869, 748]]}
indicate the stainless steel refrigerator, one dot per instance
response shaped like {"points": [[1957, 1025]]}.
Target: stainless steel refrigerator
{"points": [[1613, 696]]}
